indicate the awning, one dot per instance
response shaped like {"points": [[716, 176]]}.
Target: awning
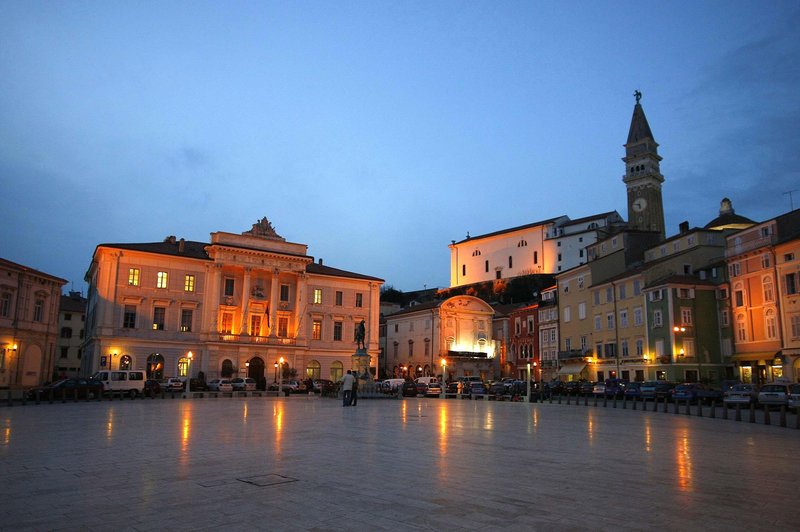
{"points": [[571, 369], [767, 356]]}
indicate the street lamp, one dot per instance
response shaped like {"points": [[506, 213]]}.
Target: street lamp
{"points": [[275, 377], [280, 377], [529, 382], [189, 356], [444, 376]]}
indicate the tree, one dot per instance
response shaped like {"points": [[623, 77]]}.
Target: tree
{"points": [[390, 294]]}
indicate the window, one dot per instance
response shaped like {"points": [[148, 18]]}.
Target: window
{"points": [[338, 298], [766, 261], [66, 332], [536, 257], [284, 293], [686, 316], [227, 369], [637, 316], [161, 280], [622, 291], [316, 330], [637, 287], [735, 269], [229, 287], [598, 322], [722, 293], [788, 257], [186, 320], [771, 325], [657, 321], [659, 346], [567, 314], [769, 293], [738, 296], [464, 270], [64, 352], [639, 347], [38, 310], [159, 317], [133, 276], [609, 294], [359, 300], [411, 349], [255, 325], [686, 293], [610, 321], [530, 324], [581, 311], [337, 331], [510, 262], [226, 325], [656, 295], [5, 304], [624, 348], [596, 295], [518, 325], [486, 266], [795, 320], [567, 344], [283, 327], [688, 347], [791, 283], [623, 318], [129, 317], [67, 316], [687, 269], [726, 318], [741, 328], [583, 340], [188, 283], [318, 296]]}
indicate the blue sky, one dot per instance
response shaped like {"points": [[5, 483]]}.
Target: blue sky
{"points": [[377, 132]]}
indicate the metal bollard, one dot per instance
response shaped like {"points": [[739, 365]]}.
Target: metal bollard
{"points": [[666, 401], [585, 400], [677, 406], [752, 413], [624, 403], [713, 409], [766, 415], [738, 412], [783, 415], [568, 398], [595, 400], [605, 400], [699, 408], [614, 402], [559, 398], [724, 411], [634, 403], [688, 407]]}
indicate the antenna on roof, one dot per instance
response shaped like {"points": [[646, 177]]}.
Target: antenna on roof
{"points": [[791, 203]]}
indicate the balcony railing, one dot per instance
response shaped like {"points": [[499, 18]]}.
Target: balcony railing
{"points": [[263, 340], [736, 248]]}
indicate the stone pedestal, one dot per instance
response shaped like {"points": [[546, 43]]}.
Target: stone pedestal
{"points": [[361, 364]]}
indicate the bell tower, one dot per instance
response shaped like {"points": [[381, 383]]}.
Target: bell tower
{"points": [[642, 175]]}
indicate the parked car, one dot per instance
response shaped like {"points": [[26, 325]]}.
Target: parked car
{"points": [[409, 389], [434, 388], [325, 385], [197, 385], [742, 394], [245, 384], [151, 388], [794, 396], [453, 387], [615, 387], [774, 394], [555, 387], [69, 389], [172, 384], [474, 388], [599, 388], [633, 390], [498, 388], [571, 387], [220, 385], [656, 389], [422, 388], [694, 392], [586, 387]]}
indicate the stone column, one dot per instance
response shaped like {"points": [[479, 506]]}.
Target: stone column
{"points": [[211, 310], [245, 300], [299, 306], [273, 303]]}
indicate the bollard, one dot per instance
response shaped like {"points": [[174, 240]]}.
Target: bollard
{"points": [[665, 404], [624, 403], [752, 412], [797, 417], [713, 409], [783, 415], [559, 398], [766, 415], [614, 402], [10, 400], [688, 407], [595, 400], [677, 406], [738, 412], [634, 403], [724, 411], [551, 398], [699, 408], [585, 400], [605, 400], [568, 398]]}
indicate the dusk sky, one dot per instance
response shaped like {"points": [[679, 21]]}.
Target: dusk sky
{"points": [[376, 132]]}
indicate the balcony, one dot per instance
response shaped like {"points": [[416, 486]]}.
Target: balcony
{"points": [[742, 246], [261, 340]]}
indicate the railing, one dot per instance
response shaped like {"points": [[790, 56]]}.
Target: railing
{"points": [[264, 340], [736, 248]]}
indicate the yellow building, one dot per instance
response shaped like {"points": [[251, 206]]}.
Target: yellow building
{"points": [[233, 307]]}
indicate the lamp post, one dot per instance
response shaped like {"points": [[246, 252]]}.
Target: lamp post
{"points": [[444, 376], [189, 356], [529, 382], [280, 377], [275, 376]]}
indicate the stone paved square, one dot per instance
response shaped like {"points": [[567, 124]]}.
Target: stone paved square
{"points": [[416, 464]]}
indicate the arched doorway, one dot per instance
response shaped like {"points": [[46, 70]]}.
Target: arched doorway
{"points": [[255, 370], [227, 369], [125, 362], [313, 370], [155, 366]]}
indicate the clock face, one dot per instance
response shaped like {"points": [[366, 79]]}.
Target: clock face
{"points": [[639, 204]]}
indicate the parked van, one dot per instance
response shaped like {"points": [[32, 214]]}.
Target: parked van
{"points": [[129, 382], [426, 380], [391, 385]]}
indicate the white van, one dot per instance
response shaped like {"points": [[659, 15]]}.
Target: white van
{"points": [[129, 382], [391, 385], [426, 380]]}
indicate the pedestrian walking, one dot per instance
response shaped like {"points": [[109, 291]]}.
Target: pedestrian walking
{"points": [[347, 388]]}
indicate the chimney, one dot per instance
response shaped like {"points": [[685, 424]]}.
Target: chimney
{"points": [[181, 245], [320, 261], [684, 227]]}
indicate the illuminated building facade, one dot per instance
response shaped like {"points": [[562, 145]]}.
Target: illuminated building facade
{"points": [[238, 304], [524, 340], [71, 332], [458, 329], [548, 335], [29, 301]]}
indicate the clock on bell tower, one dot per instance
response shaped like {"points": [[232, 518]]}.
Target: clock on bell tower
{"points": [[642, 175]]}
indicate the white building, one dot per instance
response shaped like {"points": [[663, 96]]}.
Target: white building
{"points": [[71, 330], [545, 247], [234, 306]]}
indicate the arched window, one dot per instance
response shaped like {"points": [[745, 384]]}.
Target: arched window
{"points": [[125, 362], [155, 366], [769, 293], [741, 328], [771, 324], [227, 369], [336, 371], [313, 370]]}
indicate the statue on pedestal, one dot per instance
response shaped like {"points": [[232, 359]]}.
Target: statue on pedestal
{"points": [[361, 333]]}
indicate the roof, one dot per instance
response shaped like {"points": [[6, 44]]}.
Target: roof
{"points": [[321, 269], [25, 269], [72, 304], [192, 249], [603, 215], [640, 129], [681, 279], [511, 230]]}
